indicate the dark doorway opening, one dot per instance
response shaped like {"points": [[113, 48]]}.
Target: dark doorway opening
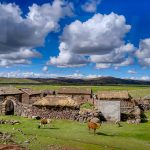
{"points": [[9, 108]]}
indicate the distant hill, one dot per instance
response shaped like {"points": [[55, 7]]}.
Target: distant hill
{"points": [[16, 81], [71, 81], [93, 81]]}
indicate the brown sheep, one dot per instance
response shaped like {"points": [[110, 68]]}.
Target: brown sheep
{"points": [[44, 122], [94, 126]]}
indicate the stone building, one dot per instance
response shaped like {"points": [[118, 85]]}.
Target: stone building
{"points": [[9, 98], [114, 103], [78, 94], [29, 96]]}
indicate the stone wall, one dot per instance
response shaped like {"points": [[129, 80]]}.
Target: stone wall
{"points": [[26, 110]]}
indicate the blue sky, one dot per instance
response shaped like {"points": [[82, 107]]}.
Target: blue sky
{"points": [[89, 38]]}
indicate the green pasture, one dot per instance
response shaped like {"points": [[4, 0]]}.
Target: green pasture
{"points": [[75, 135], [136, 91]]}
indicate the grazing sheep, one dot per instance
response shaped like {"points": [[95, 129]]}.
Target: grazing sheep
{"points": [[44, 122], [94, 126]]}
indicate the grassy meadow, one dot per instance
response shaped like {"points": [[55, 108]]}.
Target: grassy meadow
{"points": [[136, 91], [75, 135]]}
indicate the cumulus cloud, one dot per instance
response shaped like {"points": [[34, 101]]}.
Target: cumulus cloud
{"points": [[116, 58], [99, 39], [91, 5], [143, 53], [21, 33]]}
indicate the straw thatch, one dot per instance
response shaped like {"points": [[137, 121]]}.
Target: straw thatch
{"points": [[9, 91], [30, 91], [113, 95], [73, 90], [62, 101]]}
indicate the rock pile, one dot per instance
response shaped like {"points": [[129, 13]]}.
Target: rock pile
{"points": [[12, 122], [86, 115]]}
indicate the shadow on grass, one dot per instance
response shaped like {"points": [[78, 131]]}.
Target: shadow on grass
{"points": [[104, 134]]}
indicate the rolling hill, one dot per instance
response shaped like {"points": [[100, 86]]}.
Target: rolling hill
{"points": [[71, 81]]}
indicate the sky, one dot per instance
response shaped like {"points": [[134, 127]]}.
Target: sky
{"points": [[78, 39]]}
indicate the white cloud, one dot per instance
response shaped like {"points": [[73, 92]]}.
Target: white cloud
{"points": [[20, 57], [145, 78], [75, 76], [91, 5], [143, 53], [19, 74], [103, 65], [20, 35], [45, 68], [66, 59], [116, 58], [132, 72], [91, 76], [100, 40]]}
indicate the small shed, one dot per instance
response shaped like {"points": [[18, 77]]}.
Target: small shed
{"points": [[80, 94], [113, 103], [29, 96], [9, 97]]}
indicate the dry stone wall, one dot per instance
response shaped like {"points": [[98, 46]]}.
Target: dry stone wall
{"points": [[26, 110], [29, 111]]}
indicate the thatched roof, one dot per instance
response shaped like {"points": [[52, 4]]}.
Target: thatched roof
{"points": [[30, 91], [73, 90], [113, 95], [62, 101], [9, 91]]}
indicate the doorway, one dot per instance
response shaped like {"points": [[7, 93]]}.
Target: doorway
{"points": [[9, 108]]}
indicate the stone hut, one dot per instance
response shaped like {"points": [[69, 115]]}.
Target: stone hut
{"points": [[9, 98], [81, 95], [60, 107], [114, 103], [29, 96]]}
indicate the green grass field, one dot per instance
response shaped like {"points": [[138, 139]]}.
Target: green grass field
{"points": [[136, 91], [16, 80], [75, 135]]}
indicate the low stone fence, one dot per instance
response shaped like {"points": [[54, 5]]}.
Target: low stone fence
{"points": [[46, 112], [84, 115]]}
